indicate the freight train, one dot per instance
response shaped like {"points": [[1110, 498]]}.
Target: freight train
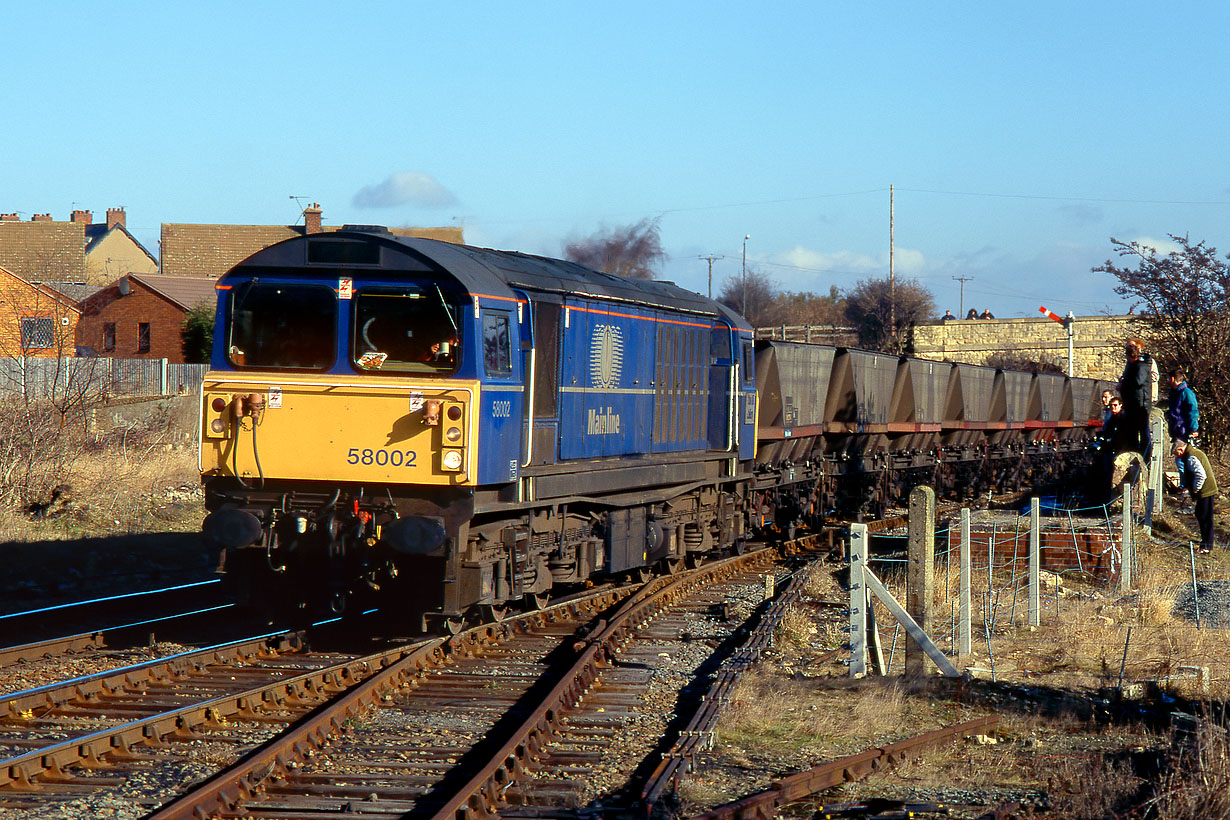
{"points": [[449, 431]]}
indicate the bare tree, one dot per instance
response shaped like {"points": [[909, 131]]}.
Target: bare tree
{"points": [[869, 307], [759, 293], [807, 308], [632, 250], [45, 393], [1185, 318]]}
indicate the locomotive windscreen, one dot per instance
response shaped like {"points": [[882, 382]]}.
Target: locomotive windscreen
{"points": [[280, 325], [409, 329]]}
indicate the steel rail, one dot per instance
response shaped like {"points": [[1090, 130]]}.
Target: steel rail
{"points": [[275, 758], [94, 685], [698, 734], [480, 797], [23, 770], [53, 647], [764, 805]]}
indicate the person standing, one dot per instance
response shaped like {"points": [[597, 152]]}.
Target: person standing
{"points": [[1136, 390], [1182, 411], [1107, 396], [1196, 476]]}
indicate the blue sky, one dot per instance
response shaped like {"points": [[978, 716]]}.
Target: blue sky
{"points": [[1019, 137]]}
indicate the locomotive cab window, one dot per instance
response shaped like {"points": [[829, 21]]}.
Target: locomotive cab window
{"points": [[497, 343], [405, 329], [281, 325], [749, 361]]}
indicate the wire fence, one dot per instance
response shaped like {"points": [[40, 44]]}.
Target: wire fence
{"points": [[73, 379], [1094, 611]]}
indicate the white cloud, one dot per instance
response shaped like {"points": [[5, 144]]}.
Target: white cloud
{"points": [[1164, 247], [405, 187], [805, 268]]}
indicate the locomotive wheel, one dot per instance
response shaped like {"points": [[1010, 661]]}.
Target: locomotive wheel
{"points": [[536, 600], [493, 613]]}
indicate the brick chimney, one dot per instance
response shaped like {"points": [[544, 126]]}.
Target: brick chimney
{"points": [[84, 217], [9, 218], [311, 218], [115, 216], [41, 218]]}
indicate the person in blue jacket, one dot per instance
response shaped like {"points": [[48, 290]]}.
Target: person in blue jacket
{"points": [[1182, 412]]}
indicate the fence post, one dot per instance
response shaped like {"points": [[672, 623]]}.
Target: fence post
{"points": [[1126, 558], [1035, 561], [1153, 498], [920, 576], [964, 638], [162, 378], [858, 601]]}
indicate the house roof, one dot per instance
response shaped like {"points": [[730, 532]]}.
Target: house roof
{"points": [[97, 231], [211, 250], [39, 287], [187, 292], [77, 291]]}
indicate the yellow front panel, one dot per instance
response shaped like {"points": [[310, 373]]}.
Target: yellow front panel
{"points": [[338, 431]]}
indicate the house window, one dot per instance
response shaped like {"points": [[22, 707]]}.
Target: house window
{"points": [[143, 337], [108, 339], [37, 333]]}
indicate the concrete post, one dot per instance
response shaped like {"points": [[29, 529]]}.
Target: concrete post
{"points": [[964, 638], [920, 576], [1035, 562], [858, 601], [1127, 558]]}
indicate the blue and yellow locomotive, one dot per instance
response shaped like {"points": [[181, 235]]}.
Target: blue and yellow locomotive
{"points": [[448, 431], [454, 429]]}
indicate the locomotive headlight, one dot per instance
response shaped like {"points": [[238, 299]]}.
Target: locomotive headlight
{"points": [[453, 434], [217, 426], [451, 460]]}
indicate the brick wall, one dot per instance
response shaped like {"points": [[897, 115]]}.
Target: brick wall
{"points": [[127, 312], [1097, 342], [1094, 551], [21, 300]]}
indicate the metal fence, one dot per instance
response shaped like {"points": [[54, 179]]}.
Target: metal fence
{"points": [[60, 379]]}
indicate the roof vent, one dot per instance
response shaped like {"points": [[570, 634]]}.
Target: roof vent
{"points": [[366, 228]]}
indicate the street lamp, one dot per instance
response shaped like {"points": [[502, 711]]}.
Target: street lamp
{"points": [[745, 238]]}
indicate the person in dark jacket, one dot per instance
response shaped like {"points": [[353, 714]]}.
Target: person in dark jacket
{"points": [[1117, 436], [1182, 412], [1108, 396], [1196, 476], [1136, 390]]}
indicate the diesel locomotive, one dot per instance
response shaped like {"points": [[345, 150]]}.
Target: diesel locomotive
{"points": [[448, 431]]}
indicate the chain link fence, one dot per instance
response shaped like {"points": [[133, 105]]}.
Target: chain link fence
{"points": [[76, 379], [1064, 599]]}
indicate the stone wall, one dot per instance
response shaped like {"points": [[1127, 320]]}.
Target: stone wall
{"points": [[1097, 342]]}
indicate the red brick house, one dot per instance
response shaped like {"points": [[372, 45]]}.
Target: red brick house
{"points": [[35, 319], [140, 316]]}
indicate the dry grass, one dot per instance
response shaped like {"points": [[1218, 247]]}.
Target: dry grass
{"points": [[127, 476]]}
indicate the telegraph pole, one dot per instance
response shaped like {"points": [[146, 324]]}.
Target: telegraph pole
{"points": [[962, 280], [711, 260], [892, 275]]}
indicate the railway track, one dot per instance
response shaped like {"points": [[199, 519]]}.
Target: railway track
{"points": [[529, 715], [125, 619]]}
